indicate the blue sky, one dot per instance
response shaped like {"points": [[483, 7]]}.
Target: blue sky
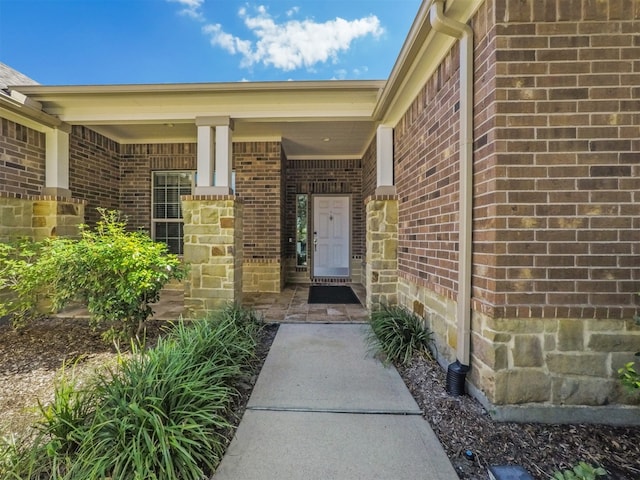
{"points": [[67, 42]]}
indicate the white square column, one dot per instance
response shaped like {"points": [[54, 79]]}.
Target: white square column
{"points": [[224, 158], [214, 155], [384, 161], [56, 182]]}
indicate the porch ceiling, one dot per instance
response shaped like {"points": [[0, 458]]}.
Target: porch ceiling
{"points": [[312, 119]]}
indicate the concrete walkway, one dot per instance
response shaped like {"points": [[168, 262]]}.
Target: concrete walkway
{"points": [[323, 408]]}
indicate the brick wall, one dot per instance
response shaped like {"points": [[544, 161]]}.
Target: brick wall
{"points": [[565, 167], [258, 168], [556, 216], [94, 171], [138, 161], [331, 177], [369, 170], [426, 175], [556, 172], [22, 160]]}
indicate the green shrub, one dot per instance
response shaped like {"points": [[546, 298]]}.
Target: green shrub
{"points": [[164, 414], [18, 284], [399, 334], [581, 471], [159, 414], [629, 376], [116, 273]]}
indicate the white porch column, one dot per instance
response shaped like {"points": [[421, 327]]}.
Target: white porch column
{"points": [[214, 155], [205, 162], [224, 158], [384, 143], [57, 163]]}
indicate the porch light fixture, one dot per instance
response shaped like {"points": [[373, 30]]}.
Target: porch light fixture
{"points": [[326, 139]]}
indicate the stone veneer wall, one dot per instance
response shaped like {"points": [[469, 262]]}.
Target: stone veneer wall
{"points": [[56, 217], [324, 177], [381, 276], [213, 226], [556, 209], [15, 218]]}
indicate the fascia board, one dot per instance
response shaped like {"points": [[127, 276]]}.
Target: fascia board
{"points": [[308, 86], [24, 114], [419, 58]]}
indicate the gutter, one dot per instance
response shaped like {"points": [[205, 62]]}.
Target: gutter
{"points": [[22, 108], [464, 34]]}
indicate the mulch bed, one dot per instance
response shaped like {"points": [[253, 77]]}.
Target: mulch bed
{"points": [[462, 424]]}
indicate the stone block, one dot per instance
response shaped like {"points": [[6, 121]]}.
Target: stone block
{"points": [[209, 216], [570, 335], [573, 364], [39, 222], [583, 391], [196, 254], [218, 251], [227, 222], [41, 208], [390, 249], [211, 282], [64, 208], [494, 356], [525, 385], [219, 271], [614, 342], [516, 325], [527, 351]]}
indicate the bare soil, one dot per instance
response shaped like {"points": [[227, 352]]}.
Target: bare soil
{"points": [[31, 358]]}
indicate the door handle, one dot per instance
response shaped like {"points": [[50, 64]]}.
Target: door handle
{"points": [[315, 241]]}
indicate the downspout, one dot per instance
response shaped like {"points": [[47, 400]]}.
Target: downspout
{"points": [[464, 33]]}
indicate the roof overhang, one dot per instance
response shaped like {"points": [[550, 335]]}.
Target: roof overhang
{"points": [[328, 119]]}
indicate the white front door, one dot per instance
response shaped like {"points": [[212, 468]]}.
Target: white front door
{"points": [[331, 234]]}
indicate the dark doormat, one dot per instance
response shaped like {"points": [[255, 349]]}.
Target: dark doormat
{"points": [[332, 294]]}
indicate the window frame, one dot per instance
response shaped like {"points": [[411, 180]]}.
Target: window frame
{"points": [[180, 220]]}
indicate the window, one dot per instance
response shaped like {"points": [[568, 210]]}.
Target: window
{"points": [[301, 230], [167, 223]]}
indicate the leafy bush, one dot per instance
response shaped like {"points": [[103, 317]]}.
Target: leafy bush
{"points": [[160, 414], [581, 471], [116, 273], [629, 376], [18, 285], [399, 334]]}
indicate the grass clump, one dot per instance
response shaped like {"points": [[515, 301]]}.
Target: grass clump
{"points": [[163, 413], [399, 334]]}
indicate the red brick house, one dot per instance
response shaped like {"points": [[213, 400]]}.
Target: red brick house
{"points": [[491, 184]]}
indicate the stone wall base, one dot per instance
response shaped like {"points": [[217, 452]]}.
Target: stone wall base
{"points": [[264, 277], [537, 369], [40, 217]]}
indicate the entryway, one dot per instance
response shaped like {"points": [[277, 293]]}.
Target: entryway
{"points": [[291, 306], [331, 236]]}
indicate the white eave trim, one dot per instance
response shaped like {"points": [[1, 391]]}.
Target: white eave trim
{"points": [[419, 58], [322, 85], [22, 110]]}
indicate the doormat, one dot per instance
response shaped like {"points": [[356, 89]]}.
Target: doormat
{"points": [[332, 294]]}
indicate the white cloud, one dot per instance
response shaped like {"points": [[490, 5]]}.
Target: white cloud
{"points": [[191, 8], [227, 41], [292, 44]]}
